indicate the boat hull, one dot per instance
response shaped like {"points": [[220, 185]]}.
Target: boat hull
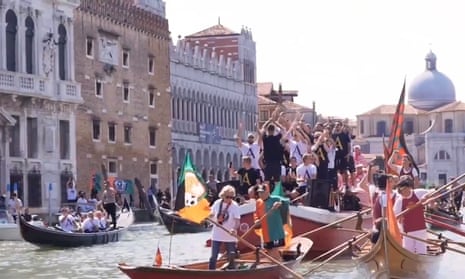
{"points": [[265, 269], [10, 232], [45, 236], [175, 224], [399, 262], [304, 219]]}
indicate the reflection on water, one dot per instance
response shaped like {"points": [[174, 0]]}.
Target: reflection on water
{"points": [[138, 246]]}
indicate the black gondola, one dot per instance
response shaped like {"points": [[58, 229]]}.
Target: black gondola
{"points": [[49, 236], [175, 224]]}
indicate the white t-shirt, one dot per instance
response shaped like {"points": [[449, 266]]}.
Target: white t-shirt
{"points": [[90, 224], [297, 149], [71, 194], [252, 151], [66, 223], [306, 172], [414, 171], [14, 205], [232, 211]]}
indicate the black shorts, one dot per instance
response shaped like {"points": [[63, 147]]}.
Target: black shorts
{"points": [[341, 164], [274, 244]]}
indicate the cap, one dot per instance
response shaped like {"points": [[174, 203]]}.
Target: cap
{"points": [[262, 188], [405, 181], [250, 135]]}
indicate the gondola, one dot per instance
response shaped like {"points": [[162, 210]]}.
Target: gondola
{"points": [[175, 224], [51, 236], [388, 259], [248, 266]]}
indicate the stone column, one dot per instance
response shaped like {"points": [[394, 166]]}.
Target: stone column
{"points": [[2, 40], [70, 50]]}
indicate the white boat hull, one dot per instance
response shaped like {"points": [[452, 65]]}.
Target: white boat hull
{"points": [[10, 232]]}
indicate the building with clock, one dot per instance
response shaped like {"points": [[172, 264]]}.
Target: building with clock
{"points": [[39, 96], [434, 126], [122, 63], [213, 81]]}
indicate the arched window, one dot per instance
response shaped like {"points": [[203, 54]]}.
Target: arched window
{"points": [[29, 45], [442, 155], [11, 30], [62, 40]]}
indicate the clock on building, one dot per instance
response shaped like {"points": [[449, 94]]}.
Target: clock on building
{"points": [[108, 50]]}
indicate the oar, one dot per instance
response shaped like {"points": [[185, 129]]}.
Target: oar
{"points": [[349, 244], [340, 246], [423, 202], [432, 215], [442, 245], [441, 236], [443, 225], [267, 213], [251, 246], [446, 185], [335, 222]]}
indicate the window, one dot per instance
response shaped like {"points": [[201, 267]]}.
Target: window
{"points": [[32, 148], [89, 47], [152, 136], [151, 65], [98, 88], [125, 58], [152, 97], [362, 127], [29, 45], [448, 126], [381, 129], [126, 92], [127, 133], [15, 133], [442, 155], [111, 132], [62, 52], [408, 127], [64, 140], [96, 129], [112, 167], [153, 168], [264, 115], [11, 31]]}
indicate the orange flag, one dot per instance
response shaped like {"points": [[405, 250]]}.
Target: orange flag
{"points": [[158, 258], [393, 227]]}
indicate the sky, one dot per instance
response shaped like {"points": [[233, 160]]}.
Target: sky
{"points": [[349, 56]]}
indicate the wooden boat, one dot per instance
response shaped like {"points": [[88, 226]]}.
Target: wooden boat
{"points": [[388, 259], [50, 236], [453, 218], [175, 224], [248, 266]]}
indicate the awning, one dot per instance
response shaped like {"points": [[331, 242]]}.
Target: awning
{"points": [[6, 119]]}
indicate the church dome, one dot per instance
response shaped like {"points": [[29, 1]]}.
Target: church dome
{"points": [[431, 89]]}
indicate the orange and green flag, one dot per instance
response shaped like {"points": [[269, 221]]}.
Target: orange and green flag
{"points": [[285, 212], [191, 196]]}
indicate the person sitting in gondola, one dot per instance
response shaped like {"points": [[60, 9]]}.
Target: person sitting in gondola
{"points": [[102, 220], [66, 220], [90, 224], [226, 212], [413, 222]]}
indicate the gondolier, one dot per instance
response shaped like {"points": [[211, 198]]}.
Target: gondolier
{"points": [[109, 202]]}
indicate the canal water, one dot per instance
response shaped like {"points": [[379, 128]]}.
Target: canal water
{"points": [[23, 260]]}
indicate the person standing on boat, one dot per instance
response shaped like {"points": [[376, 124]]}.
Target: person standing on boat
{"points": [[272, 225], [251, 148], [226, 212], [14, 206], [379, 200], [413, 222], [248, 176], [406, 168], [109, 202]]}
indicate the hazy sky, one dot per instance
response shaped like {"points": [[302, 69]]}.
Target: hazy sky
{"points": [[348, 56]]}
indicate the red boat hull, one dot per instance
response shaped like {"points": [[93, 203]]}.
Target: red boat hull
{"points": [[305, 219]]}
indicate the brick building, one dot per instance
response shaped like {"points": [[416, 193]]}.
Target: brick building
{"points": [[122, 62]]}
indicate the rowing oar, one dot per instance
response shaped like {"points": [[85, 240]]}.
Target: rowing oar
{"points": [[251, 246], [443, 245], [428, 199], [445, 226], [340, 246], [441, 237], [446, 185], [343, 249], [255, 225], [335, 222]]}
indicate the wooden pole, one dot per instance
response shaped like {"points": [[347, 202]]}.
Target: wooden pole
{"points": [[446, 185], [441, 236], [251, 246], [442, 245], [340, 246], [335, 222], [443, 225]]}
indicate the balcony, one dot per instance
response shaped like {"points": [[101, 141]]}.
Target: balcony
{"points": [[35, 86]]}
